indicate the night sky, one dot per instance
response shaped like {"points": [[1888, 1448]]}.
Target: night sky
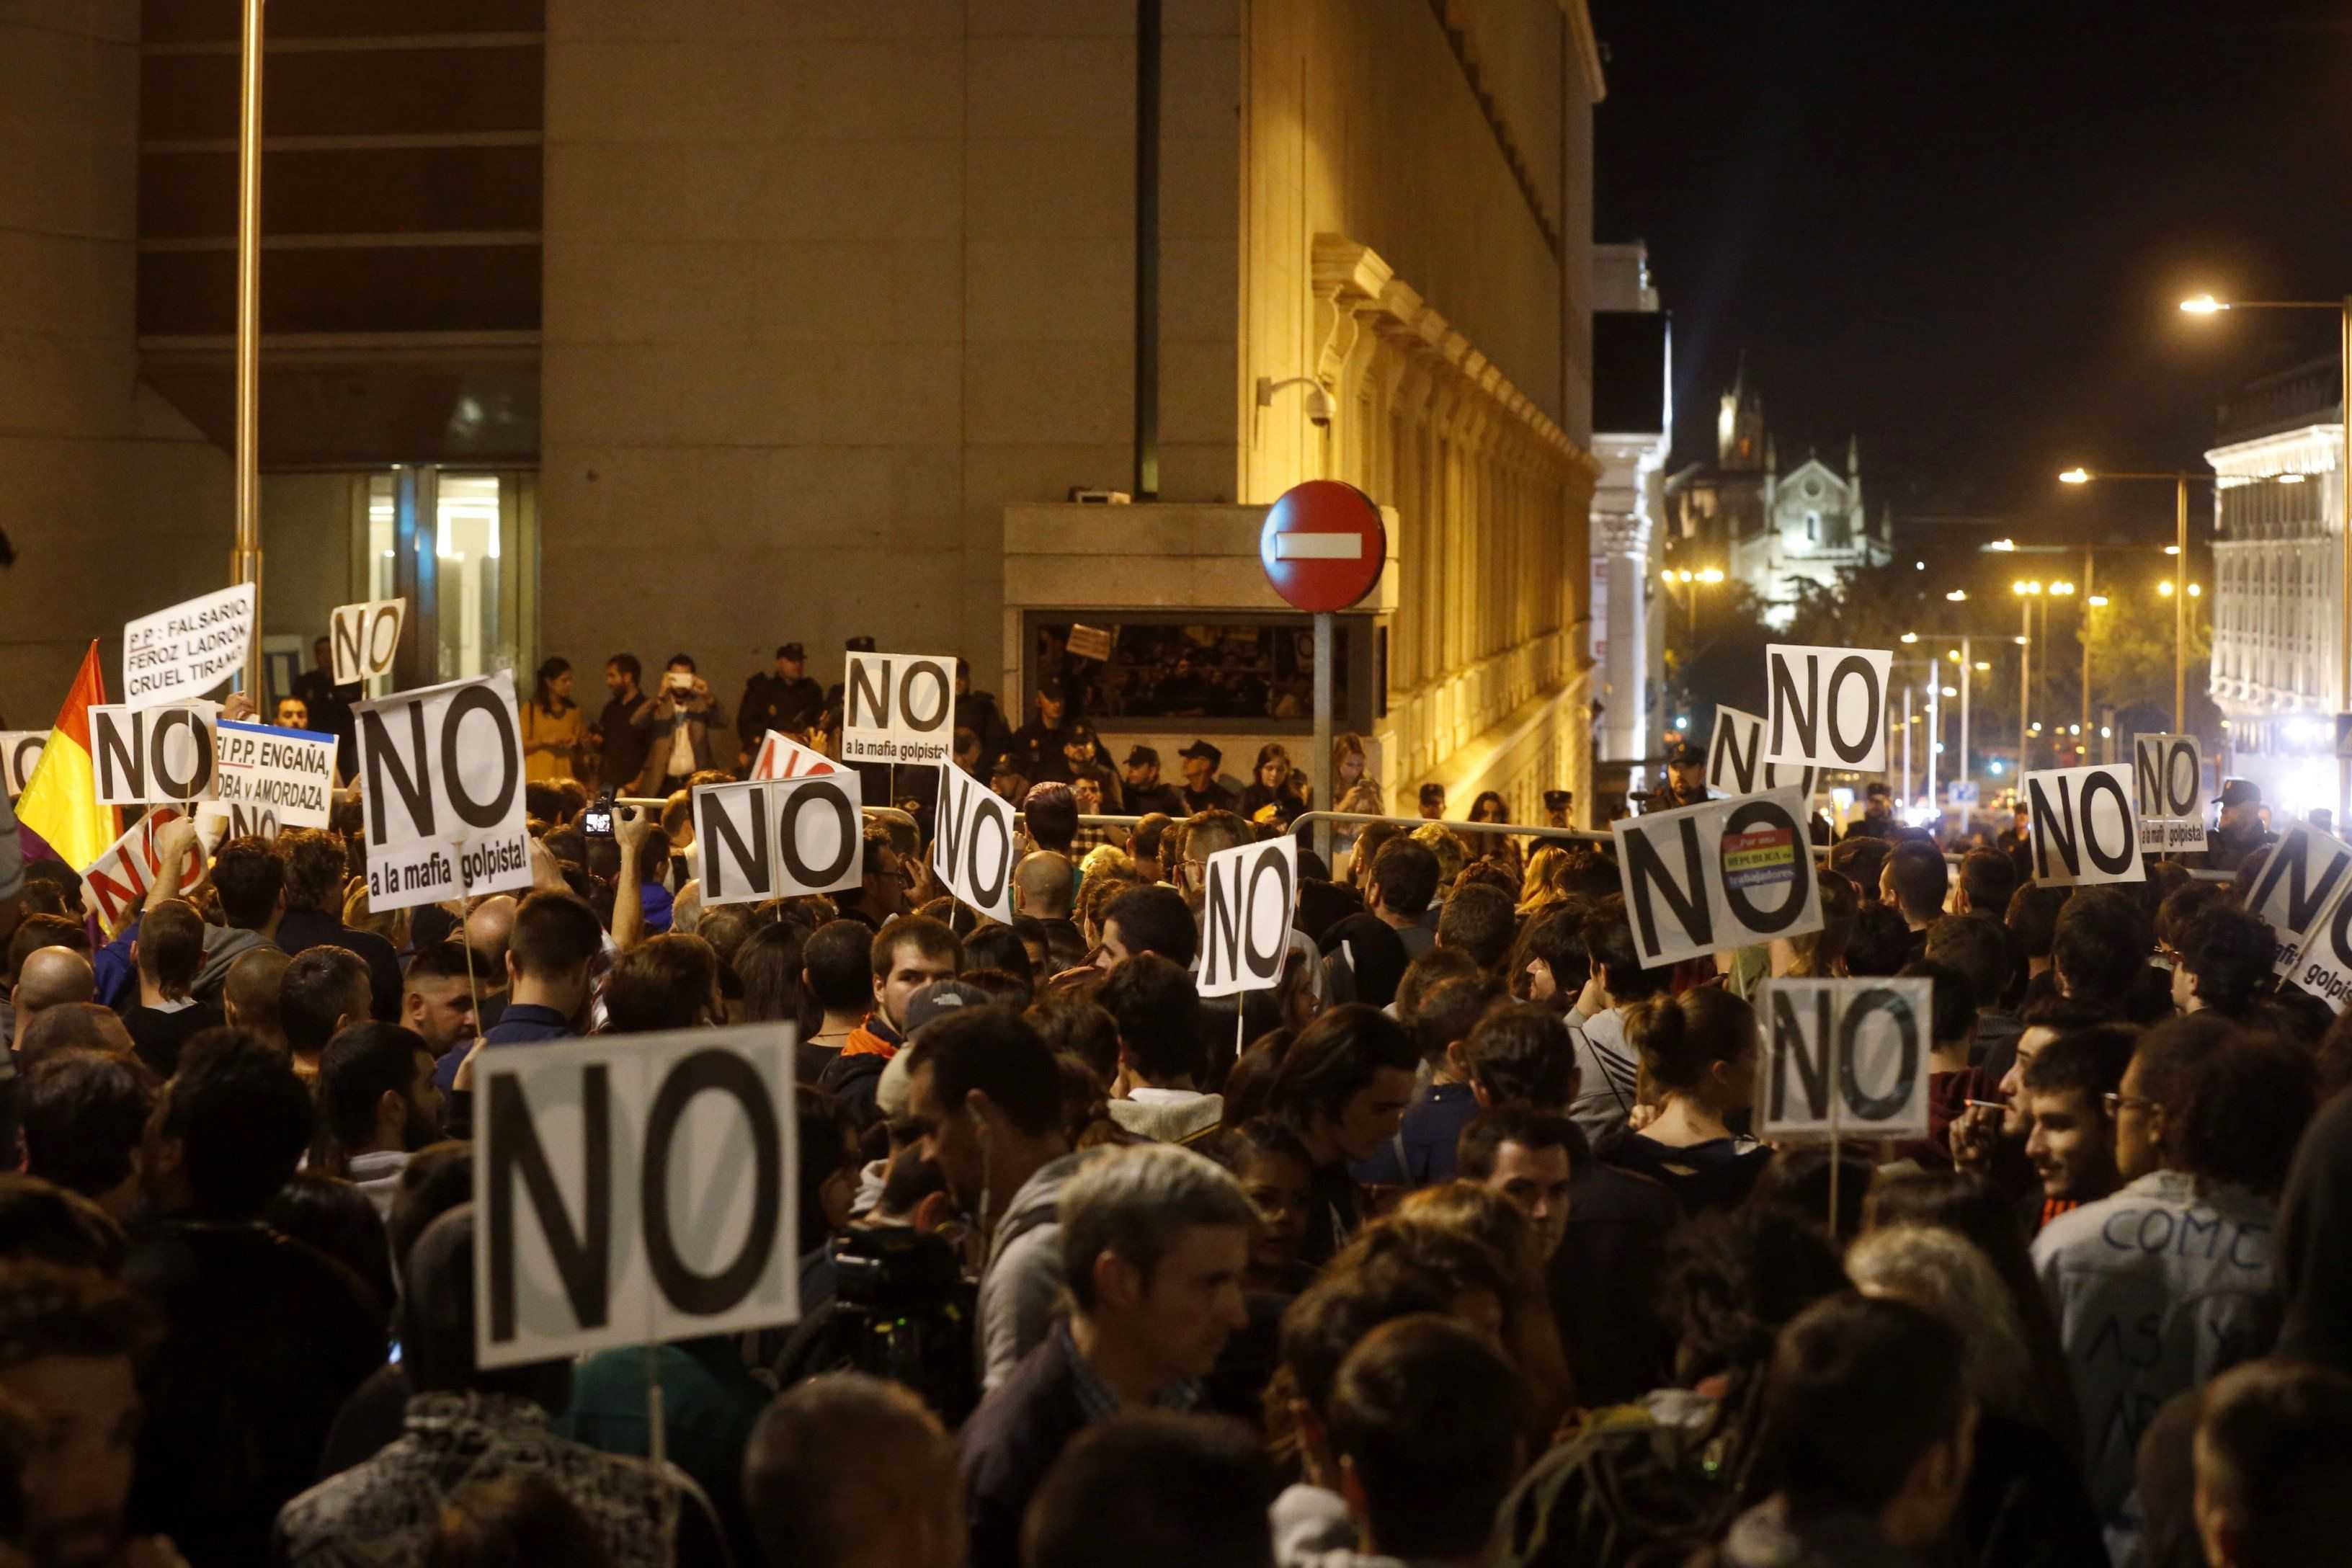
{"points": [[1961, 231]]}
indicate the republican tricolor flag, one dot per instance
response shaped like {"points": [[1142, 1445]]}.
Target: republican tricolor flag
{"points": [[60, 807]]}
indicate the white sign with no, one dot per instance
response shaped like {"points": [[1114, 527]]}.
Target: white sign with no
{"points": [[898, 707], [441, 773], [1844, 1058]]}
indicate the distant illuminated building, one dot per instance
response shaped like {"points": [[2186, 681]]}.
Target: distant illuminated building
{"points": [[2278, 567], [1772, 531]]}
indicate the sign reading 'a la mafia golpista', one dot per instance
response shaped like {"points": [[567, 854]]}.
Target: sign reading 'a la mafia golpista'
{"points": [[441, 770]]}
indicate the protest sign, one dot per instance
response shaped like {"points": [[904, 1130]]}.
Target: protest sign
{"points": [[2301, 881], [115, 884], [781, 757], [188, 649], [898, 707], [1245, 916], [20, 753], [2084, 829], [2169, 776], [217, 824], [1726, 874], [2322, 966], [365, 639], [634, 1190], [287, 775], [973, 852], [1845, 1058], [1090, 642], [441, 770], [1735, 758], [159, 755], [1828, 706], [778, 839]]}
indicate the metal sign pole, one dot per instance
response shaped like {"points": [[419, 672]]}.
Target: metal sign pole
{"points": [[1320, 770], [245, 561]]}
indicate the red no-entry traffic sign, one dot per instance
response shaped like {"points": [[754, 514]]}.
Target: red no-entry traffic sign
{"points": [[1323, 545]]}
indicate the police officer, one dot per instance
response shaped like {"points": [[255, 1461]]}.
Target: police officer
{"points": [[2240, 831], [1685, 780]]}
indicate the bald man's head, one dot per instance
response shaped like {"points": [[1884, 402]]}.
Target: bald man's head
{"points": [[1040, 885], [249, 995], [67, 1026], [487, 930], [50, 977]]}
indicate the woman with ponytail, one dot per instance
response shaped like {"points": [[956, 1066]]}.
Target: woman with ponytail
{"points": [[1698, 1052]]}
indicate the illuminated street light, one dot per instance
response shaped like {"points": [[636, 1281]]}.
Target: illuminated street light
{"points": [[2164, 589], [2002, 544], [1950, 691], [1711, 575], [2097, 601], [2195, 589], [1984, 664], [1910, 637], [2172, 550], [2062, 589], [2203, 305], [1958, 595], [2075, 476]]}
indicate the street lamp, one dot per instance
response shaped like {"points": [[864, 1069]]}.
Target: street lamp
{"points": [[2026, 593], [2178, 550], [2206, 305]]}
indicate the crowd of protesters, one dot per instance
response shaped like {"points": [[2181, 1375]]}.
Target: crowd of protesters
{"points": [[1457, 1247]]}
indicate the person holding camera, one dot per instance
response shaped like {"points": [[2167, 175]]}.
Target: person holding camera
{"points": [[685, 715]]}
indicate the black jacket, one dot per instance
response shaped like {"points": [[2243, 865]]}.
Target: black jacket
{"points": [[1010, 1443], [772, 702], [301, 928], [264, 1338]]}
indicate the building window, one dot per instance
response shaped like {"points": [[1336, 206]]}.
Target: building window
{"points": [[1247, 675]]}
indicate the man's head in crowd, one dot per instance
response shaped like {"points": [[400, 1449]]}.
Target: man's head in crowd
{"points": [[2270, 1450], [1862, 861], [1182, 1489], [1914, 882], [1525, 1155], [2224, 963], [2101, 947], [2072, 1145], [1275, 1173], [249, 996], [551, 951], [1345, 1084], [251, 881], [72, 1026], [1051, 704], [69, 1341], [1148, 920], [1142, 767], [1616, 962], [1426, 1423], [1050, 813], [437, 999], [170, 948], [2226, 1106], [49, 977], [1200, 762], [489, 926], [1881, 942], [667, 982], [1404, 880], [1521, 1054], [837, 968], [1147, 845], [850, 1471], [1158, 1008], [436, 1325], [1978, 947], [1867, 1412], [1444, 1005], [1155, 1239], [905, 955], [1043, 886], [235, 1120], [315, 869], [622, 673], [84, 1114], [325, 990], [1556, 962], [884, 875], [1988, 883], [293, 713], [1481, 922], [376, 1091], [984, 1097]]}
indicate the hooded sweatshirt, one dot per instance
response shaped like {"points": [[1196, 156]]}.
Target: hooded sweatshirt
{"points": [[1021, 1285], [224, 945]]}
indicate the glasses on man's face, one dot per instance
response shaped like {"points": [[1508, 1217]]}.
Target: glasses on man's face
{"points": [[2118, 1102]]}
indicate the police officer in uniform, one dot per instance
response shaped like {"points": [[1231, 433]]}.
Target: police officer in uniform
{"points": [[1685, 780]]}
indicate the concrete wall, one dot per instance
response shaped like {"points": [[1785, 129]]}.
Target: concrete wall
{"points": [[115, 504]]}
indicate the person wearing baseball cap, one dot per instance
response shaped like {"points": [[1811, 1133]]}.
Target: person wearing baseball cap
{"points": [[1685, 783], [1145, 793], [1036, 746], [2240, 831], [782, 699], [1556, 805], [1201, 789]]}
